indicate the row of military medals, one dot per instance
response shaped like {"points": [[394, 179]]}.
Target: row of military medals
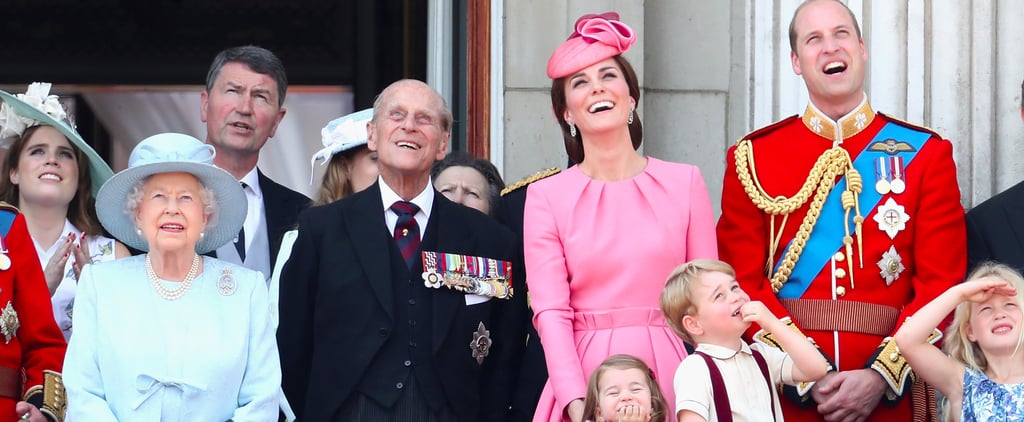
{"points": [[889, 172], [891, 217]]}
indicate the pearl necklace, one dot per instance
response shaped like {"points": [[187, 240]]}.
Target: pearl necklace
{"points": [[174, 294]]}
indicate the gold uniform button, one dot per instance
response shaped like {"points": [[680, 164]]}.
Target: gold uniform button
{"points": [[839, 257], [840, 273], [840, 291]]}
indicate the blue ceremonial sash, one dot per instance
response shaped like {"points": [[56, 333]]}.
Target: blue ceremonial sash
{"points": [[6, 221], [827, 237]]}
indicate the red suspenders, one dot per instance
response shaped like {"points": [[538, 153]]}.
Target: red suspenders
{"points": [[722, 409]]}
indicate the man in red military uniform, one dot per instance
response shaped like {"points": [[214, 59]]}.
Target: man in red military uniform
{"points": [[31, 346], [845, 221]]}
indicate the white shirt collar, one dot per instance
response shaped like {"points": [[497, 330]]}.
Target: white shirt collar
{"points": [[424, 200], [252, 179], [722, 352]]}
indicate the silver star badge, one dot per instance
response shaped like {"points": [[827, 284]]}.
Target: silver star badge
{"points": [[891, 218], [891, 265], [9, 322]]}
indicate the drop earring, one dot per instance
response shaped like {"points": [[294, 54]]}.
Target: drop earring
{"points": [[632, 109], [572, 130]]}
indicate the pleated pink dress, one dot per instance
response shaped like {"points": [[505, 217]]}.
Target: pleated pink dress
{"points": [[597, 257]]}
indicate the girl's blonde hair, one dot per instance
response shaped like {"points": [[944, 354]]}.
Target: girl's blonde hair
{"points": [[956, 344], [676, 298], [659, 407]]}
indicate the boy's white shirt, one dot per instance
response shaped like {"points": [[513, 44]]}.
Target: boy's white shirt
{"points": [[744, 383]]}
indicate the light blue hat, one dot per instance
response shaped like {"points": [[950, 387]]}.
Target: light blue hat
{"points": [[36, 107], [340, 135], [171, 153]]}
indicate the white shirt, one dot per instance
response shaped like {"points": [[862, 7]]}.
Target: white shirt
{"points": [[101, 248], [424, 200], [748, 395], [254, 196]]}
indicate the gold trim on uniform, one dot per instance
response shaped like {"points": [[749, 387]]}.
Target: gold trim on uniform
{"points": [[9, 322], [530, 179], [849, 125], [55, 400], [764, 337], [890, 363]]}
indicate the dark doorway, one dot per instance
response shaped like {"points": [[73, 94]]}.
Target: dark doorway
{"points": [[362, 44]]}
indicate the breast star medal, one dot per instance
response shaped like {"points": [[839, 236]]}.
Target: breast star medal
{"points": [[891, 265], [891, 218], [481, 344], [9, 322]]}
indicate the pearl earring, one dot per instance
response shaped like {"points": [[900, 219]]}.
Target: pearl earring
{"points": [[138, 231], [201, 235], [572, 130]]}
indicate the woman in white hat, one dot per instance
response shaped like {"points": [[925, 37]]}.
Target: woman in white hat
{"points": [[172, 335], [52, 176]]}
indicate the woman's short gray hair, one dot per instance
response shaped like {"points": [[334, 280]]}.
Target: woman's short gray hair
{"points": [[211, 209]]}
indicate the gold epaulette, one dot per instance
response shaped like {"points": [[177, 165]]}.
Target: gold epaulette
{"points": [[890, 363], [530, 179], [4, 206], [765, 130], [917, 127]]}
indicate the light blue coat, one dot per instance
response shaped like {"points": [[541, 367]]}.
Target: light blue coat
{"points": [[206, 356]]}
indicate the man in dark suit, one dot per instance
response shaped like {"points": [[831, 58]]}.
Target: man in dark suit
{"points": [[374, 324], [242, 105], [995, 228]]}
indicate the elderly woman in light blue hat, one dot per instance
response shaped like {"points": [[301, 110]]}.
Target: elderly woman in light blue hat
{"points": [[172, 335], [51, 174]]}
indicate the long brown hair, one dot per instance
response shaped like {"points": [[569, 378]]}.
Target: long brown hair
{"points": [[574, 144], [81, 210]]}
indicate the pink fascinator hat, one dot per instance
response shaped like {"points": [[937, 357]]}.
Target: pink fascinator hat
{"points": [[596, 37]]}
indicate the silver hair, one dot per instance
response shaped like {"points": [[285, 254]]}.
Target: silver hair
{"points": [[211, 210]]}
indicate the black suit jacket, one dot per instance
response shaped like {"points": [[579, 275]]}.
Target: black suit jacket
{"points": [[533, 373], [995, 230], [337, 308], [282, 206]]}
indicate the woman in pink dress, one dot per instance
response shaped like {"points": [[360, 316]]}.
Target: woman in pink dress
{"points": [[602, 237]]}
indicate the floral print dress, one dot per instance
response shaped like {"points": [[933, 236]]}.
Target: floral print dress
{"points": [[988, 401]]}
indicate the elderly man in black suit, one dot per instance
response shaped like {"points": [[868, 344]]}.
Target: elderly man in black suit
{"points": [[398, 304], [995, 228], [242, 105]]}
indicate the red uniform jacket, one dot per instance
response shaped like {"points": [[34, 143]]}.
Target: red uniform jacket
{"points": [[36, 344], [929, 244]]}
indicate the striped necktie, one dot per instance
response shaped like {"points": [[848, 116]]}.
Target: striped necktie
{"points": [[407, 232]]}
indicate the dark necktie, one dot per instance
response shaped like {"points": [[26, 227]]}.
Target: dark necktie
{"points": [[240, 240], [407, 232]]}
